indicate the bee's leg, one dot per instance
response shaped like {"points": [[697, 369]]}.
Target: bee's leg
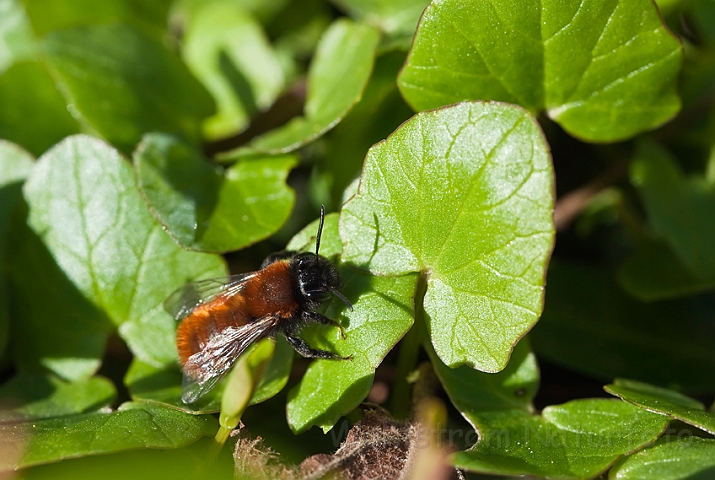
{"points": [[310, 317], [300, 346]]}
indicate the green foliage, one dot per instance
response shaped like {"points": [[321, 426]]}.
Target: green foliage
{"points": [[469, 195], [453, 146], [603, 70], [196, 200]]}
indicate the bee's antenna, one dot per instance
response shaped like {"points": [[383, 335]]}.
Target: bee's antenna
{"points": [[320, 229]]}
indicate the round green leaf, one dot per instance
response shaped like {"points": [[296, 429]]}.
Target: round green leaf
{"points": [[205, 207], [338, 74], [117, 262], [132, 426], [32, 397], [578, 439], [382, 315], [33, 112], [465, 195], [227, 50], [664, 401], [122, 83], [603, 70], [687, 458]]}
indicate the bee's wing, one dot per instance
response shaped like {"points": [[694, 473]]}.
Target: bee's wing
{"points": [[185, 299], [205, 368]]}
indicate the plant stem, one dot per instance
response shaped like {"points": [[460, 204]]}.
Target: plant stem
{"points": [[409, 353]]}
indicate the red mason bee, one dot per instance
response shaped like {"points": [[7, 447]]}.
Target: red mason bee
{"points": [[221, 318]]}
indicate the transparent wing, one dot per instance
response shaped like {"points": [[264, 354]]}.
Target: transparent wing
{"points": [[185, 299], [204, 369]]}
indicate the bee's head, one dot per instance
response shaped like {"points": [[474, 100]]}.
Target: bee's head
{"points": [[316, 276]]}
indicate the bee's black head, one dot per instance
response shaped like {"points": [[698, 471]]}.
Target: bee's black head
{"points": [[316, 278]]}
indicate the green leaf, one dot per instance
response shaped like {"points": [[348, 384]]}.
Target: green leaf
{"points": [[667, 342], [578, 439], [655, 272], [33, 112], [349, 141], [133, 426], [227, 50], [688, 458], [338, 74], [205, 207], [680, 209], [463, 194], [664, 401], [122, 83], [604, 71], [32, 397], [391, 16], [15, 165], [17, 41], [106, 250], [382, 315], [47, 16], [162, 385]]}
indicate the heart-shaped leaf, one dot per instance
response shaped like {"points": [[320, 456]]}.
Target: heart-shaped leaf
{"points": [[338, 74], [381, 316], [680, 211], [109, 261], [123, 83], [32, 397], [681, 458], [208, 208], [132, 426], [464, 195], [578, 439], [603, 70], [227, 50], [664, 401]]}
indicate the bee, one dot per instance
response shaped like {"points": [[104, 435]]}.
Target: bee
{"points": [[221, 318]]}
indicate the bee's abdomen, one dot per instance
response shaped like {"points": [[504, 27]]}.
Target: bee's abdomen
{"points": [[205, 322]]}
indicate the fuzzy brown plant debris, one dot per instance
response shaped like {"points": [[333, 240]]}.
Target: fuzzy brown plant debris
{"points": [[378, 447], [255, 461]]}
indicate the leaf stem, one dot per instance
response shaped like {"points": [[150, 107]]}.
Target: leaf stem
{"points": [[409, 353]]}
